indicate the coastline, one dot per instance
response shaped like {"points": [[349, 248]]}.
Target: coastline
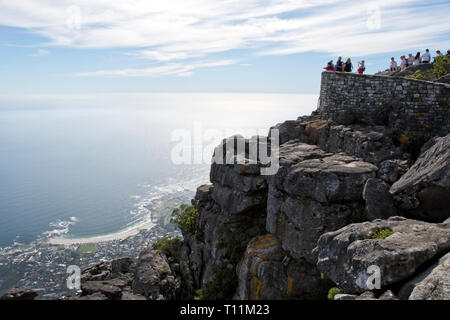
{"points": [[119, 235]]}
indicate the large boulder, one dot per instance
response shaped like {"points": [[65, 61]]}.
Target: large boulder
{"points": [[106, 280], [424, 190], [96, 272], [267, 272], [238, 183], [397, 246], [154, 278], [432, 284], [312, 193]]}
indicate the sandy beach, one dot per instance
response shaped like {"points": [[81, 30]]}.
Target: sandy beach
{"points": [[120, 235]]}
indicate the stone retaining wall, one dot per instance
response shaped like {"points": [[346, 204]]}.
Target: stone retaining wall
{"points": [[417, 110]]}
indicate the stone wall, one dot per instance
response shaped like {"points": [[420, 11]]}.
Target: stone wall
{"points": [[417, 110]]}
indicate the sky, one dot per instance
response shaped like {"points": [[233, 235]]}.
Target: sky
{"points": [[240, 46]]}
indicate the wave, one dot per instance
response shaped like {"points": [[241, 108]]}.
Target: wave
{"points": [[141, 212]]}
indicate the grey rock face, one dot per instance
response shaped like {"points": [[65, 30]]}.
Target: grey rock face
{"points": [[153, 278], [372, 143], [267, 272], [306, 129], [231, 212], [105, 288], [424, 191], [391, 170], [122, 265], [106, 280], [99, 271], [312, 193], [19, 294], [436, 283], [238, 184], [346, 254], [379, 202]]}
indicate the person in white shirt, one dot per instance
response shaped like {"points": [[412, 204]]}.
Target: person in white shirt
{"points": [[393, 66], [403, 63], [410, 60], [426, 57]]}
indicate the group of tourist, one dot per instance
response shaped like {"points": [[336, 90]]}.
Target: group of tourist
{"points": [[405, 61], [346, 66], [412, 61]]}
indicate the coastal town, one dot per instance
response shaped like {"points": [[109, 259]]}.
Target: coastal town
{"points": [[42, 266]]}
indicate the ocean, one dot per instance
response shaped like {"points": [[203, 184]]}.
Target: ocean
{"points": [[86, 165]]}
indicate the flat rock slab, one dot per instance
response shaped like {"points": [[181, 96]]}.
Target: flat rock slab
{"points": [[424, 190], [345, 255], [436, 285]]}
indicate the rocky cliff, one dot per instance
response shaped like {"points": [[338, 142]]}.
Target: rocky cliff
{"points": [[359, 205]]}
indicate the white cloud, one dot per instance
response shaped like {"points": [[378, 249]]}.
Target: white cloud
{"points": [[178, 69], [176, 34], [40, 53]]}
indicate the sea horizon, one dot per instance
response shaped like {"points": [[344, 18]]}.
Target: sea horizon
{"points": [[93, 123]]}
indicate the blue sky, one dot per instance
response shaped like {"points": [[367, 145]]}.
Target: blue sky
{"points": [[247, 46]]}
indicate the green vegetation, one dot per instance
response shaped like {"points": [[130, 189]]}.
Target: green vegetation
{"points": [[169, 246], [332, 292], [221, 288], [86, 248], [418, 75], [186, 218], [441, 66], [381, 233]]}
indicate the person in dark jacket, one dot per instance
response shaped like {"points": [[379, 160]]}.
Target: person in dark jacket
{"points": [[348, 67], [339, 65]]}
